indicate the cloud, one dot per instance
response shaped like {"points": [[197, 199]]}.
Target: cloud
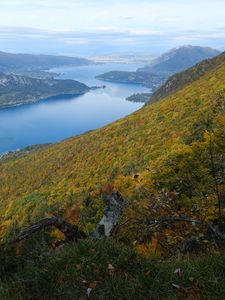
{"points": [[144, 25], [144, 32], [128, 15], [75, 41]]}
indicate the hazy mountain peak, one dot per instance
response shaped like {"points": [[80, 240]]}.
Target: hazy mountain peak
{"points": [[179, 59]]}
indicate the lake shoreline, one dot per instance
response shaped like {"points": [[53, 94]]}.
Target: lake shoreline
{"points": [[53, 119], [46, 98]]}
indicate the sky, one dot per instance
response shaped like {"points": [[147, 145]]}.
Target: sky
{"points": [[97, 27]]}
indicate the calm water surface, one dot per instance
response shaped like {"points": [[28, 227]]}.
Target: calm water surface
{"points": [[55, 119]]}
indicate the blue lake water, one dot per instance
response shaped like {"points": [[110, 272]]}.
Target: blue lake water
{"points": [[55, 119]]}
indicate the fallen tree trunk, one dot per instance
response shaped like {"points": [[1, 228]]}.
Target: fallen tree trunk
{"points": [[112, 214], [70, 231]]}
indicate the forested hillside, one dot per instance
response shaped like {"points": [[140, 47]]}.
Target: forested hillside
{"points": [[167, 162], [18, 90], [65, 173]]}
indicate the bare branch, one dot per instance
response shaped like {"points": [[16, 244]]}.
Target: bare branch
{"points": [[214, 230]]}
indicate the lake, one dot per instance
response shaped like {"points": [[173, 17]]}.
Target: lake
{"points": [[52, 120]]}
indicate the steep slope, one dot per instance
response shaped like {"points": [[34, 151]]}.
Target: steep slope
{"points": [[16, 90], [55, 179], [179, 80]]}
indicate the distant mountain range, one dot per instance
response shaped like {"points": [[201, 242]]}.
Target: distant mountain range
{"points": [[10, 62], [17, 90], [156, 73]]}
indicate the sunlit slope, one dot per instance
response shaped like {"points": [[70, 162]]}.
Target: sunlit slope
{"points": [[62, 174]]}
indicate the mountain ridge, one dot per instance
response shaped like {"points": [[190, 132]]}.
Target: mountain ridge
{"points": [[179, 59], [186, 77], [14, 62]]}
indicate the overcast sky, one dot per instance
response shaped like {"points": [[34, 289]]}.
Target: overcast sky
{"points": [[105, 26]]}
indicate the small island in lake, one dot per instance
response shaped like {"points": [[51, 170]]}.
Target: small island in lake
{"points": [[141, 97]]}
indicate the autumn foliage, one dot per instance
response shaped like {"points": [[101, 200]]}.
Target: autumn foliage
{"points": [[174, 147]]}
